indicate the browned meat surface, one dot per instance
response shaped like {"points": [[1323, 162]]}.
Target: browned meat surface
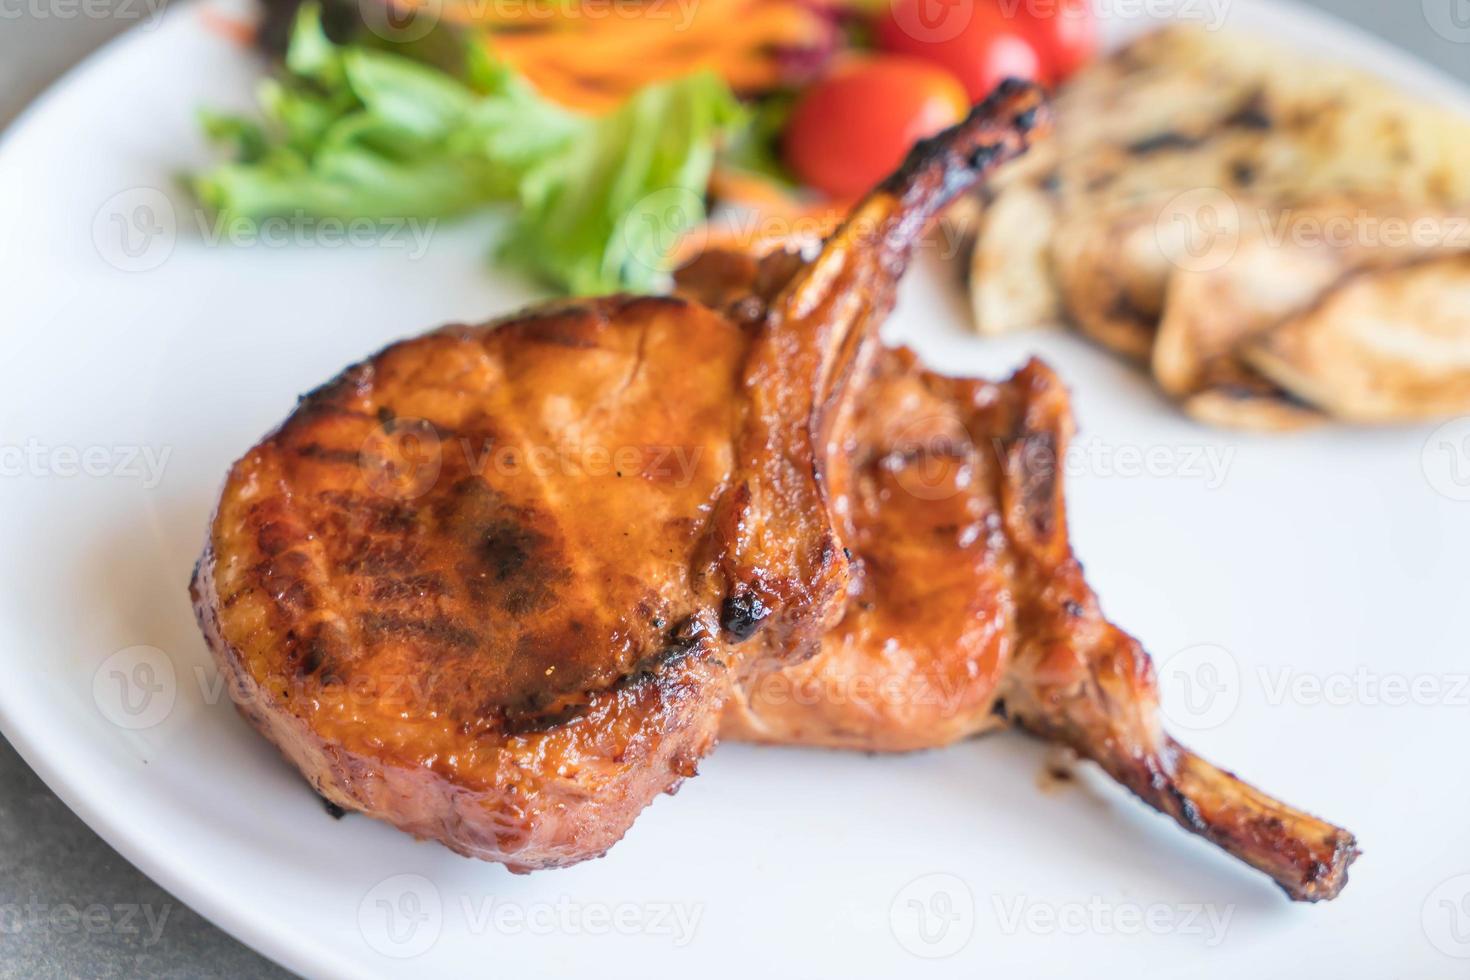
{"points": [[930, 623], [968, 608], [490, 585], [500, 585], [458, 546]]}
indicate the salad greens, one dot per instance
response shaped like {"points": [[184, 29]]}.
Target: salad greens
{"points": [[368, 130], [610, 209]]}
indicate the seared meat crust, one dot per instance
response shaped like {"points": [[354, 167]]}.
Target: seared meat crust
{"points": [[491, 584], [461, 564], [495, 585], [970, 610], [929, 625]]}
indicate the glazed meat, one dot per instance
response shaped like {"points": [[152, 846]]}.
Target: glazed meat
{"points": [[502, 585], [492, 584], [967, 609], [450, 613]]}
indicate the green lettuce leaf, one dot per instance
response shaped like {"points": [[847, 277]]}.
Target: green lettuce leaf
{"points": [[605, 214], [365, 129]]}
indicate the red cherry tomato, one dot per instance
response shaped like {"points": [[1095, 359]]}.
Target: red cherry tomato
{"points": [[1065, 36], [852, 128], [980, 41]]}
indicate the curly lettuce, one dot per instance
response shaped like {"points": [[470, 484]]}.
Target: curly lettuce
{"points": [[367, 130]]}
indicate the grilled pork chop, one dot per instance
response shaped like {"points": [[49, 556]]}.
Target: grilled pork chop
{"points": [[468, 587], [497, 585], [968, 608]]}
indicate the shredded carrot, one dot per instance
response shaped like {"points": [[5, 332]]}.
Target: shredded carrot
{"points": [[760, 218], [592, 54], [241, 32], [745, 189], [756, 236]]}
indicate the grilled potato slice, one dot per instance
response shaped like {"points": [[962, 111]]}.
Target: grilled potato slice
{"points": [[1253, 404], [1182, 118], [1112, 273], [1011, 264], [1385, 345], [1209, 313]]}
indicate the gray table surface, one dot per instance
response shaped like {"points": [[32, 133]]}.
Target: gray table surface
{"points": [[54, 872]]}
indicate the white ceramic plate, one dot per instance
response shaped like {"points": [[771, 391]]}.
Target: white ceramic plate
{"points": [[1315, 583]]}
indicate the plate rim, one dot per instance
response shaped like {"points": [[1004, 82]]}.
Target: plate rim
{"points": [[295, 949]]}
